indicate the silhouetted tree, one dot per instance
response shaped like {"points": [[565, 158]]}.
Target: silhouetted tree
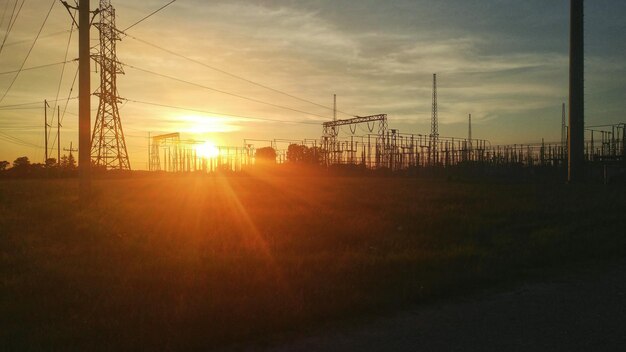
{"points": [[64, 161], [266, 155], [21, 163], [36, 167], [3, 165], [68, 163], [301, 154], [296, 153], [71, 162], [51, 162], [313, 155]]}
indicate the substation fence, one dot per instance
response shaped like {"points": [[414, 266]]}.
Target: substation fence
{"points": [[398, 151], [171, 154], [385, 149]]}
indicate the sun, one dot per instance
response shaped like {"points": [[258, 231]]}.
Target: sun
{"points": [[207, 150]]}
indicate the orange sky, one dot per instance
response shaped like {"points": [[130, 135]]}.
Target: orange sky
{"points": [[503, 61]]}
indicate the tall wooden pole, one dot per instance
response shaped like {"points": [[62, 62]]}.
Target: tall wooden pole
{"points": [[45, 128], [59, 135], [576, 156], [150, 154], [84, 103]]}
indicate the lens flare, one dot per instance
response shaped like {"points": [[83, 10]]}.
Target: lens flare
{"points": [[207, 150]]}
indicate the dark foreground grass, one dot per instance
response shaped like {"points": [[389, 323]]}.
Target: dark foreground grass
{"points": [[199, 263]]}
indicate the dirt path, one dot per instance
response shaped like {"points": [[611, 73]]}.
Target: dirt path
{"points": [[585, 311]]}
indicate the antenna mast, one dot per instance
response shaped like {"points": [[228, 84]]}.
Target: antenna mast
{"points": [[434, 125]]}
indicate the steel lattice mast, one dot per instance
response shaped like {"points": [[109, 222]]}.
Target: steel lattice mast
{"points": [[108, 147], [434, 125]]}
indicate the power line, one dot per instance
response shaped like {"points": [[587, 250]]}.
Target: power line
{"points": [[4, 11], [54, 109], [9, 107], [29, 51], [24, 108], [67, 101], [53, 34], [223, 92], [150, 15], [222, 114], [233, 75], [12, 21], [38, 67], [11, 139], [15, 128]]}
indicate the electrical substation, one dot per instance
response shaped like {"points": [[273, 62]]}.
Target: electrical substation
{"points": [[368, 141]]}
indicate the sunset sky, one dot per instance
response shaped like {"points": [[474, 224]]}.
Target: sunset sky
{"points": [[503, 61]]}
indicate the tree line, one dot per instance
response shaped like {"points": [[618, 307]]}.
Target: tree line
{"points": [[296, 154], [22, 166]]}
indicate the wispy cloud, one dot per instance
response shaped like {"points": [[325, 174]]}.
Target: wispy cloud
{"points": [[503, 61]]}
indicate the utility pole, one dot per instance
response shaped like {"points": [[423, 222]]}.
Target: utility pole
{"points": [[576, 156], [58, 135], [333, 139], [45, 127], [71, 149], [150, 154], [84, 102], [563, 127]]}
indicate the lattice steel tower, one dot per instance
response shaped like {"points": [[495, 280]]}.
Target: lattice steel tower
{"points": [[108, 146], [434, 125]]}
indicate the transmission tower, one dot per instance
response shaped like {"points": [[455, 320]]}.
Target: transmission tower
{"points": [[434, 125], [108, 148]]}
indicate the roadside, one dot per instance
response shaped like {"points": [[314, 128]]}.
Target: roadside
{"points": [[581, 311]]}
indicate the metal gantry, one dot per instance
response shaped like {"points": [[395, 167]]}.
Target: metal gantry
{"points": [[108, 148], [170, 153], [332, 149], [390, 149]]}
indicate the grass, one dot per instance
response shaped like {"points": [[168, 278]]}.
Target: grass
{"points": [[182, 263]]}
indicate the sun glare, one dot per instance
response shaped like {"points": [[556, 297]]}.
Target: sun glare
{"points": [[207, 150], [206, 124]]}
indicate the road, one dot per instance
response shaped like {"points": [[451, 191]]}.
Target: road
{"points": [[581, 311]]}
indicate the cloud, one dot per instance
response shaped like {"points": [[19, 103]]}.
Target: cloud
{"points": [[503, 61]]}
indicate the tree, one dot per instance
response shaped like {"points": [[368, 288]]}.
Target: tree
{"points": [[50, 163], [266, 155], [3, 165], [64, 161], [68, 163], [296, 153], [21, 163], [71, 162], [313, 155]]}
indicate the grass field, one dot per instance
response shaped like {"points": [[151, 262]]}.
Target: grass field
{"points": [[201, 262]]}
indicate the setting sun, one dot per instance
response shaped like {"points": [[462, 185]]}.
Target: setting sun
{"points": [[207, 150], [297, 175]]}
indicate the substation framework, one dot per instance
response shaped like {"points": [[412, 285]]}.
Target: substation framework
{"points": [[397, 151], [388, 149], [170, 153]]}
